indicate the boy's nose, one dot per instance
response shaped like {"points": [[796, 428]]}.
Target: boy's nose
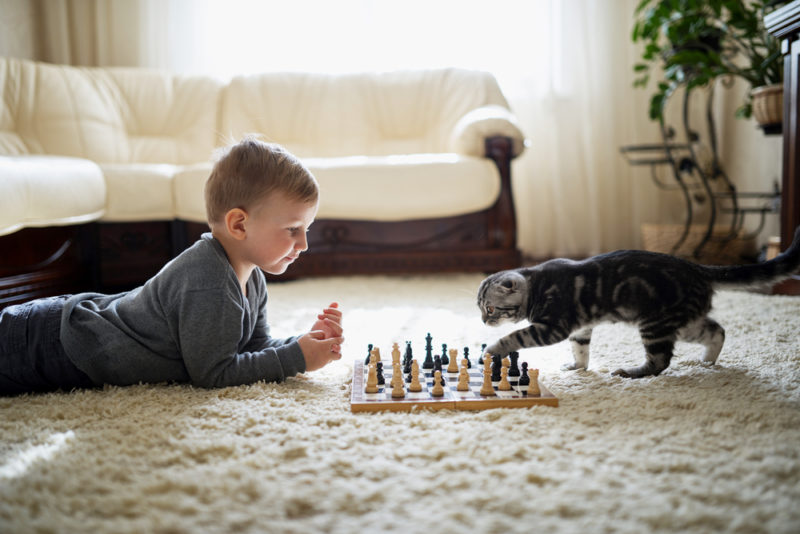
{"points": [[302, 243]]}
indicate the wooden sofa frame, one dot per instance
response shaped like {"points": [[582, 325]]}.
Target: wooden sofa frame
{"points": [[109, 257]]}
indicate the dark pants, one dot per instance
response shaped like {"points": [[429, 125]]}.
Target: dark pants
{"points": [[32, 358]]}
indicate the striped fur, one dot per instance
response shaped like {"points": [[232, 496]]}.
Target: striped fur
{"points": [[667, 298]]}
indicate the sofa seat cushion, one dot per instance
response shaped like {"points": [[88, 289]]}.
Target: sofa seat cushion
{"points": [[139, 191], [49, 191], [376, 188]]}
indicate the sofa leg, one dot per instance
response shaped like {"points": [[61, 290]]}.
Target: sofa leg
{"points": [[179, 237]]}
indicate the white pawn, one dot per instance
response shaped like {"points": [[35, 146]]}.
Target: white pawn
{"points": [[463, 379], [504, 384], [395, 353], [486, 387], [415, 385], [438, 389], [372, 380]]}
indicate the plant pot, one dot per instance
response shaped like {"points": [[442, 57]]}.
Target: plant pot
{"points": [[768, 104]]}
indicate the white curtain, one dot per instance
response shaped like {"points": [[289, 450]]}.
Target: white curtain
{"points": [[564, 65]]}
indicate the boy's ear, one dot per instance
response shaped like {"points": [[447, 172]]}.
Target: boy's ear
{"points": [[235, 223]]}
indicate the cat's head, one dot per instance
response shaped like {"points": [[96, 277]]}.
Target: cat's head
{"points": [[502, 297]]}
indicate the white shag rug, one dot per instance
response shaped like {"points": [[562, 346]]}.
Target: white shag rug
{"points": [[697, 449]]}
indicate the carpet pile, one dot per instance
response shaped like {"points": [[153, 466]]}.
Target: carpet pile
{"points": [[697, 449]]}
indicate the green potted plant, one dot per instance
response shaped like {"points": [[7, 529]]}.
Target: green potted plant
{"points": [[697, 41]]}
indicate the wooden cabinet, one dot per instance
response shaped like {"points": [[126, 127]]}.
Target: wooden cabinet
{"points": [[784, 23]]}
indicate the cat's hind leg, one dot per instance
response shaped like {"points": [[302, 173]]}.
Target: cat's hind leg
{"points": [[708, 332], [579, 340], [659, 354]]}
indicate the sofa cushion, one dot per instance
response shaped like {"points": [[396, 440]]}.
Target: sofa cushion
{"points": [[49, 191], [374, 114], [376, 188], [139, 192], [108, 115]]}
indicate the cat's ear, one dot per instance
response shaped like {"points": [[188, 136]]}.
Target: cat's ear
{"points": [[512, 282]]}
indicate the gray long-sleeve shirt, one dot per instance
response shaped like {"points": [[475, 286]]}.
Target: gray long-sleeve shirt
{"points": [[189, 323]]}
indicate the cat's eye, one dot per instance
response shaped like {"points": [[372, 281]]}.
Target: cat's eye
{"points": [[490, 309]]}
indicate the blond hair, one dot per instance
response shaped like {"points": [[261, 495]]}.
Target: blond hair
{"points": [[251, 169]]}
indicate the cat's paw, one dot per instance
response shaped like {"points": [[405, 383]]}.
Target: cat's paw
{"points": [[621, 372], [494, 348], [573, 367]]}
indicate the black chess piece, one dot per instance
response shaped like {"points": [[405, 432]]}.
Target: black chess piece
{"points": [[428, 362], [513, 370], [409, 353], [428, 343], [466, 357], [369, 353], [497, 364], [524, 379], [445, 358], [483, 351], [437, 363], [381, 379]]}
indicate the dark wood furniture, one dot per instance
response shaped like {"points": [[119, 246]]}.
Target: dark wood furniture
{"points": [[784, 23], [110, 257]]}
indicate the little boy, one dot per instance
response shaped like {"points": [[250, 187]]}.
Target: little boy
{"points": [[202, 319]]}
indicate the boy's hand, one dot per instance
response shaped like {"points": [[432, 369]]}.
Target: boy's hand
{"points": [[319, 350], [330, 322]]}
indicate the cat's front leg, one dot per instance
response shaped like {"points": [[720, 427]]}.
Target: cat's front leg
{"points": [[580, 349], [535, 335]]}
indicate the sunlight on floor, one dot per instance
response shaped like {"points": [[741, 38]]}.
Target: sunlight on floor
{"points": [[19, 463]]}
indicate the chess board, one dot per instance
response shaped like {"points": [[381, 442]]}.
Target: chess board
{"points": [[452, 399]]}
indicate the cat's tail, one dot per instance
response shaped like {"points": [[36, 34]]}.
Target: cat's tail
{"points": [[769, 272]]}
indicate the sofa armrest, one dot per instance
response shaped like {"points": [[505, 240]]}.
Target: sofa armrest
{"points": [[471, 131]]}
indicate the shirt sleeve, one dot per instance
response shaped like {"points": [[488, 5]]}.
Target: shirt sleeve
{"points": [[210, 334]]}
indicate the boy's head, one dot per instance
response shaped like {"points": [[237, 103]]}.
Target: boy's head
{"points": [[260, 201], [249, 171]]}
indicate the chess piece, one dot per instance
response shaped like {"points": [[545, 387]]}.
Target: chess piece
{"points": [[524, 379], [415, 384], [452, 367], [480, 358], [395, 353], [398, 386], [486, 387], [381, 379], [445, 359], [463, 379], [369, 354], [372, 380], [497, 364], [533, 389], [513, 370], [428, 363], [438, 388], [504, 384]]}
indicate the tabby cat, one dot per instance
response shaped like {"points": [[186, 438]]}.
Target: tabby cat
{"points": [[666, 297]]}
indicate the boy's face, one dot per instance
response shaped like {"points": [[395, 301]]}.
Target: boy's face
{"points": [[276, 232]]}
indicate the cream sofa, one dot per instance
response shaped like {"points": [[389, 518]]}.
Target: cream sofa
{"points": [[113, 161]]}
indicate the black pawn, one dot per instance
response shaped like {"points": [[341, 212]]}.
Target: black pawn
{"points": [[524, 379], [379, 368], [513, 370], [445, 359], [409, 354], [483, 350], [497, 364], [369, 353], [466, 357]]}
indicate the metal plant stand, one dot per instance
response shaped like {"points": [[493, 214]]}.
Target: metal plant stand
{"points": [[702, 180]]}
